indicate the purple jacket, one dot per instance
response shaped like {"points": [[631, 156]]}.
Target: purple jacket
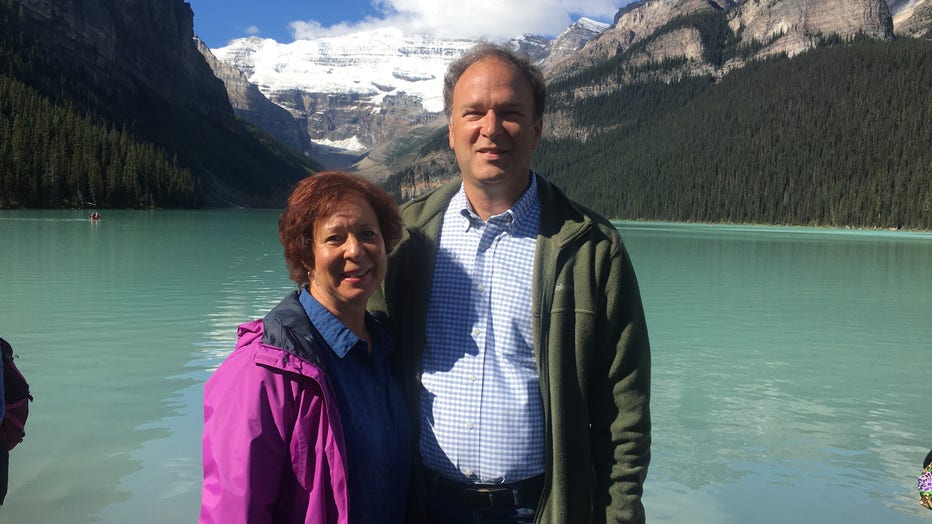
{"points": [[273, 446]]}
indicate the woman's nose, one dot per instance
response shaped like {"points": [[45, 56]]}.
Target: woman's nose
{"points": [[353, 247]]}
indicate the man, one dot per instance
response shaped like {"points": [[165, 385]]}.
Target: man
{"points": [[526, 355]]}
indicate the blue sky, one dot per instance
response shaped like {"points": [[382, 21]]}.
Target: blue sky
{"points": [[218, 21]]}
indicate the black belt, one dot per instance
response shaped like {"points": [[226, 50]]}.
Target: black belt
{"points": [[488, 496]]}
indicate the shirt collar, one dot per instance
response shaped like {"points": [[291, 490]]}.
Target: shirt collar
{"points": [[340, 339], [522, 210]]}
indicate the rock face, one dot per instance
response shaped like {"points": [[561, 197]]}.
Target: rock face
{"points": [[785, 26], [912, 18], [128, 44], [570, 41], [798, 24], [633, 23], [251, 105]]}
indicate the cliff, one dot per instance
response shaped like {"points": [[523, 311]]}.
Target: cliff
{"points": [[133, 67], [129, 45], [250, 104]]}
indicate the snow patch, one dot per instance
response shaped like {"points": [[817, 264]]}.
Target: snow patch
{"points": [[347, 144]]}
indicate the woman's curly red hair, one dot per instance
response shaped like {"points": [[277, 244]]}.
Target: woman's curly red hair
{"points": [[315, 198]]}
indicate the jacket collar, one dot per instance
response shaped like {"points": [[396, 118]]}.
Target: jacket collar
{"points": [[287, 327]]}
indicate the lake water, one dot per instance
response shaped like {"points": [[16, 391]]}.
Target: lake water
{"points": [[792, 367]]}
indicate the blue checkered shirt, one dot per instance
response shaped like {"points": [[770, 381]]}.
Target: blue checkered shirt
{"points": [[482, 417]]}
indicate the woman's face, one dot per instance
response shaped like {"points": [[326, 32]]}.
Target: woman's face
{"points": [[349, 257]]}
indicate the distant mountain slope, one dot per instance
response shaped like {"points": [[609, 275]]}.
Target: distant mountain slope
{"points": [[129, 74], [836, 136]]}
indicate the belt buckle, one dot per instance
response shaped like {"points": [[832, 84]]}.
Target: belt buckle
{"points": [[495, 497]]}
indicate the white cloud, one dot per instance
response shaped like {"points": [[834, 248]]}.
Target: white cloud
{"points": [[252, 30], [494, 19]]}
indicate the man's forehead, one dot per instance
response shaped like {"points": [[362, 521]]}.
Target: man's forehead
{"points": [[478, 75]]}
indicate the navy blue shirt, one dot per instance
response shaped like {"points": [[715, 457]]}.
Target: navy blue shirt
{"points": [[376, 423]]}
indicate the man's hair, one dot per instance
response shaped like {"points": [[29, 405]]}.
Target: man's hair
{"points": [[501, 52], [927, 461]]}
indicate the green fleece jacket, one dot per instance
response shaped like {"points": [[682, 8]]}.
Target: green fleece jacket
{"points": [[591, 344]]}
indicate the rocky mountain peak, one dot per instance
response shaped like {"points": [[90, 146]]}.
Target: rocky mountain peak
{"points": [[571, 40]]}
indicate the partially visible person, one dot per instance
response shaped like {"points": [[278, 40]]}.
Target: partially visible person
{"points": [[925, 482], [304, 421], [14, 410], [4, 452], [527, 359]]}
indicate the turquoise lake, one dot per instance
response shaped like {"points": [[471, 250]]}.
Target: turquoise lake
{"points": [[792, 367]]}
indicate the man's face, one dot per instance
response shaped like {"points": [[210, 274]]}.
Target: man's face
{"points": [[492, 127]]}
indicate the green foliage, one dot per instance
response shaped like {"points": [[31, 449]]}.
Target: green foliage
{"points": [[837, 136], [52, 156]]}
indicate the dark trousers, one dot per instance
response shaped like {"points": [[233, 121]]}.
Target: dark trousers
{"points": [[452, 503], [4, 471]]}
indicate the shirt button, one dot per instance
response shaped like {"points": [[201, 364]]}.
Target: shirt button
{"points": [[470, 425], [378, 387], [480, 287], [468, 472], [388, 428], [475, 332], [473, 377]]}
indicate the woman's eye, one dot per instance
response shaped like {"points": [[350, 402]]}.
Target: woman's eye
{"points": [[367, 235]]}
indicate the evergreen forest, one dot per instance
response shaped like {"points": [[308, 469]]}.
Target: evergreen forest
{"points": [[72, 139]]}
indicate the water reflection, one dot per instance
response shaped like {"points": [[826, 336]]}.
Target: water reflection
{"points": [[774, 350]]}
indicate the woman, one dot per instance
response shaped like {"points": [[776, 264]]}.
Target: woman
{"points": [[304, 422]]}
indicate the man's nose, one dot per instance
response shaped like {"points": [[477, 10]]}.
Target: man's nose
{"points": [[491, 123]]}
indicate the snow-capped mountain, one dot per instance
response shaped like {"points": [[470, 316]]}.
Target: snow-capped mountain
{"points": [[370, 64], [356, 92]]}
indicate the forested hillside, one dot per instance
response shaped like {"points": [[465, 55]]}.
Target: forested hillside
{"points": [[837, 136], [76, 133]]}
